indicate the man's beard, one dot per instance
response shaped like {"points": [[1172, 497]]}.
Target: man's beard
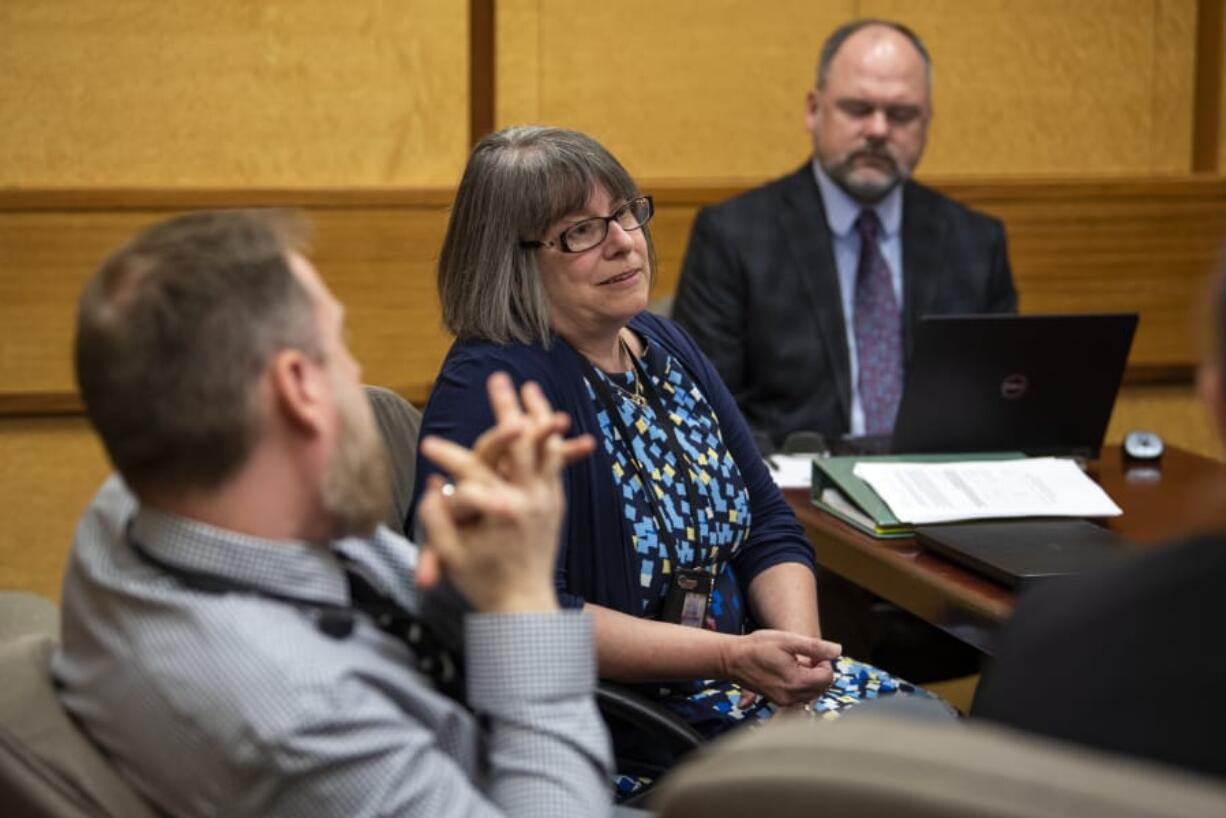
{"points": [[357, 486], [867, 190]]}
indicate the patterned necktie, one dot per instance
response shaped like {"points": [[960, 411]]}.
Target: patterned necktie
{"points": [[878, 331]]}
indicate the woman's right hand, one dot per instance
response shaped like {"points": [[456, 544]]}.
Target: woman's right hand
{"points": [[787, 668]]}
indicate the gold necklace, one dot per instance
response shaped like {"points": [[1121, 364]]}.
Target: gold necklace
{"points": [[636, 397]]}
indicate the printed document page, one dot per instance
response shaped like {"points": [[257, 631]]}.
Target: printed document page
{"points": [[921, 493], [791, 471]]}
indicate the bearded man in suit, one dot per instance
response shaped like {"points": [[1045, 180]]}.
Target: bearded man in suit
{"points": [[804, 291]]}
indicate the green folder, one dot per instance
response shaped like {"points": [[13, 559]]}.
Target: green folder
{"points": [[836, 490]]}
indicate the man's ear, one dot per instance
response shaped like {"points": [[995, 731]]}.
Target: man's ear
{"points": [[299, 388], [811, 105], [1209, 384]]}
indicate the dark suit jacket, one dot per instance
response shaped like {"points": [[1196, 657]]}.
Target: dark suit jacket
{"points": [[759, 292], [1128, 660]]}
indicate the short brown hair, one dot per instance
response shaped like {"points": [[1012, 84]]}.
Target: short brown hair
{"points": [[518, 182], [173, 331]]}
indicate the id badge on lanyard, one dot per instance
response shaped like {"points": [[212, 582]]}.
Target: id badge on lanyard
{"points": [[689, 592], [689, 595]]}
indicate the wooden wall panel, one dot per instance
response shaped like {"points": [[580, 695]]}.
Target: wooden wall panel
{"points": [[232, 93], [687, 88], [1173, 96], [714, 90], [52, 467], [1046, 86], [1221, 59], [379, 259], [381, 264], [44, 261], [1083, 245]]}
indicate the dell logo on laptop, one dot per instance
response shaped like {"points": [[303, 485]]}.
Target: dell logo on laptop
{"points": [[1013, 386]]}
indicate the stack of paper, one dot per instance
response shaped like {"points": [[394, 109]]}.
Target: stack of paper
{"points": [[837, 490], [919, 493], [888, 495]]}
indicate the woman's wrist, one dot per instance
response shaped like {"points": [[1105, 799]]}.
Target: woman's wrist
{"points": [[729, 653]]}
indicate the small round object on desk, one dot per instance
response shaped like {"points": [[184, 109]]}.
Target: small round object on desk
{"points": [[1142, 446]]}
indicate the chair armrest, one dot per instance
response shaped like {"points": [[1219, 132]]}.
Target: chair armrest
{"points": [[878, 765], [624, 704]]}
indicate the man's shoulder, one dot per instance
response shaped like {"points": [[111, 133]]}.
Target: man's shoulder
{"points": [[761, 201], [207, 702], [212, 664], [919, 196], [1079, 652], [1146, 591]]}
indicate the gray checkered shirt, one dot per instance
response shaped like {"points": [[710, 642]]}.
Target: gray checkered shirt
{"points": [[236, 704]]}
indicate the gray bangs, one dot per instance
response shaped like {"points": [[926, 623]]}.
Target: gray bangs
{"points": [[559, 179]]}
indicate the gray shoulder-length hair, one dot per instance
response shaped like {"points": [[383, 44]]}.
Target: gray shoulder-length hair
{"points": [[518, 182]]}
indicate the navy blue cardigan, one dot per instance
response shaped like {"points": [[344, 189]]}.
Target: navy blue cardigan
{"points": [[597, 562]]}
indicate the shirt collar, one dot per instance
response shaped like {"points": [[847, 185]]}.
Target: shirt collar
{"points": [[284, 567], [842, 210]]}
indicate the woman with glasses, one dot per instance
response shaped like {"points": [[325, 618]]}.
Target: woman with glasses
{"points": [[676, 535]]}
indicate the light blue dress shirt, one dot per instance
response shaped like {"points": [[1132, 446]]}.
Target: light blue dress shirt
{"points": [[841, 214]]}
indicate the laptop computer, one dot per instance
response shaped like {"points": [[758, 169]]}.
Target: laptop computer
{"points": [[1019, 553], [1039, 384]]}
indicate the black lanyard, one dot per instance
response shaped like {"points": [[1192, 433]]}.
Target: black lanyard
{"points": [[683, 468], [444, 666]]}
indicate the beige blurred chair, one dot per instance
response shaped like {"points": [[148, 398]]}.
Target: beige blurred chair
{"points": [[22, 612], [874, 766], [399, 424], [47, 766]]}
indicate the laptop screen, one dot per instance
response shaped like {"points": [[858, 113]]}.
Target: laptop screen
{"points": [[1041, 384]]}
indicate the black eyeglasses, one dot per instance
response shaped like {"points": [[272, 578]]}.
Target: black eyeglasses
{"points": [[588, 233]]}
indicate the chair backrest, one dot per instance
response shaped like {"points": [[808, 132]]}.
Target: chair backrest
{"points": [[399, 424], [47, 766], [875, 766], [22, 612]]}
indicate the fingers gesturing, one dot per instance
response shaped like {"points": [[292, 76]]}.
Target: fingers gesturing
{"points": [[496, 535]]}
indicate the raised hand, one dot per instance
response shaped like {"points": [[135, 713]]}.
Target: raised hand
{"points": [[496, 534]]}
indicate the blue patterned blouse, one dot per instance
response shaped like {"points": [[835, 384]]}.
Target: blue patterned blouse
{"points": [[723, 516]]}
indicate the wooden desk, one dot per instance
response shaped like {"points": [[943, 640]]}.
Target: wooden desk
{"points": [[1181, 492]]}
